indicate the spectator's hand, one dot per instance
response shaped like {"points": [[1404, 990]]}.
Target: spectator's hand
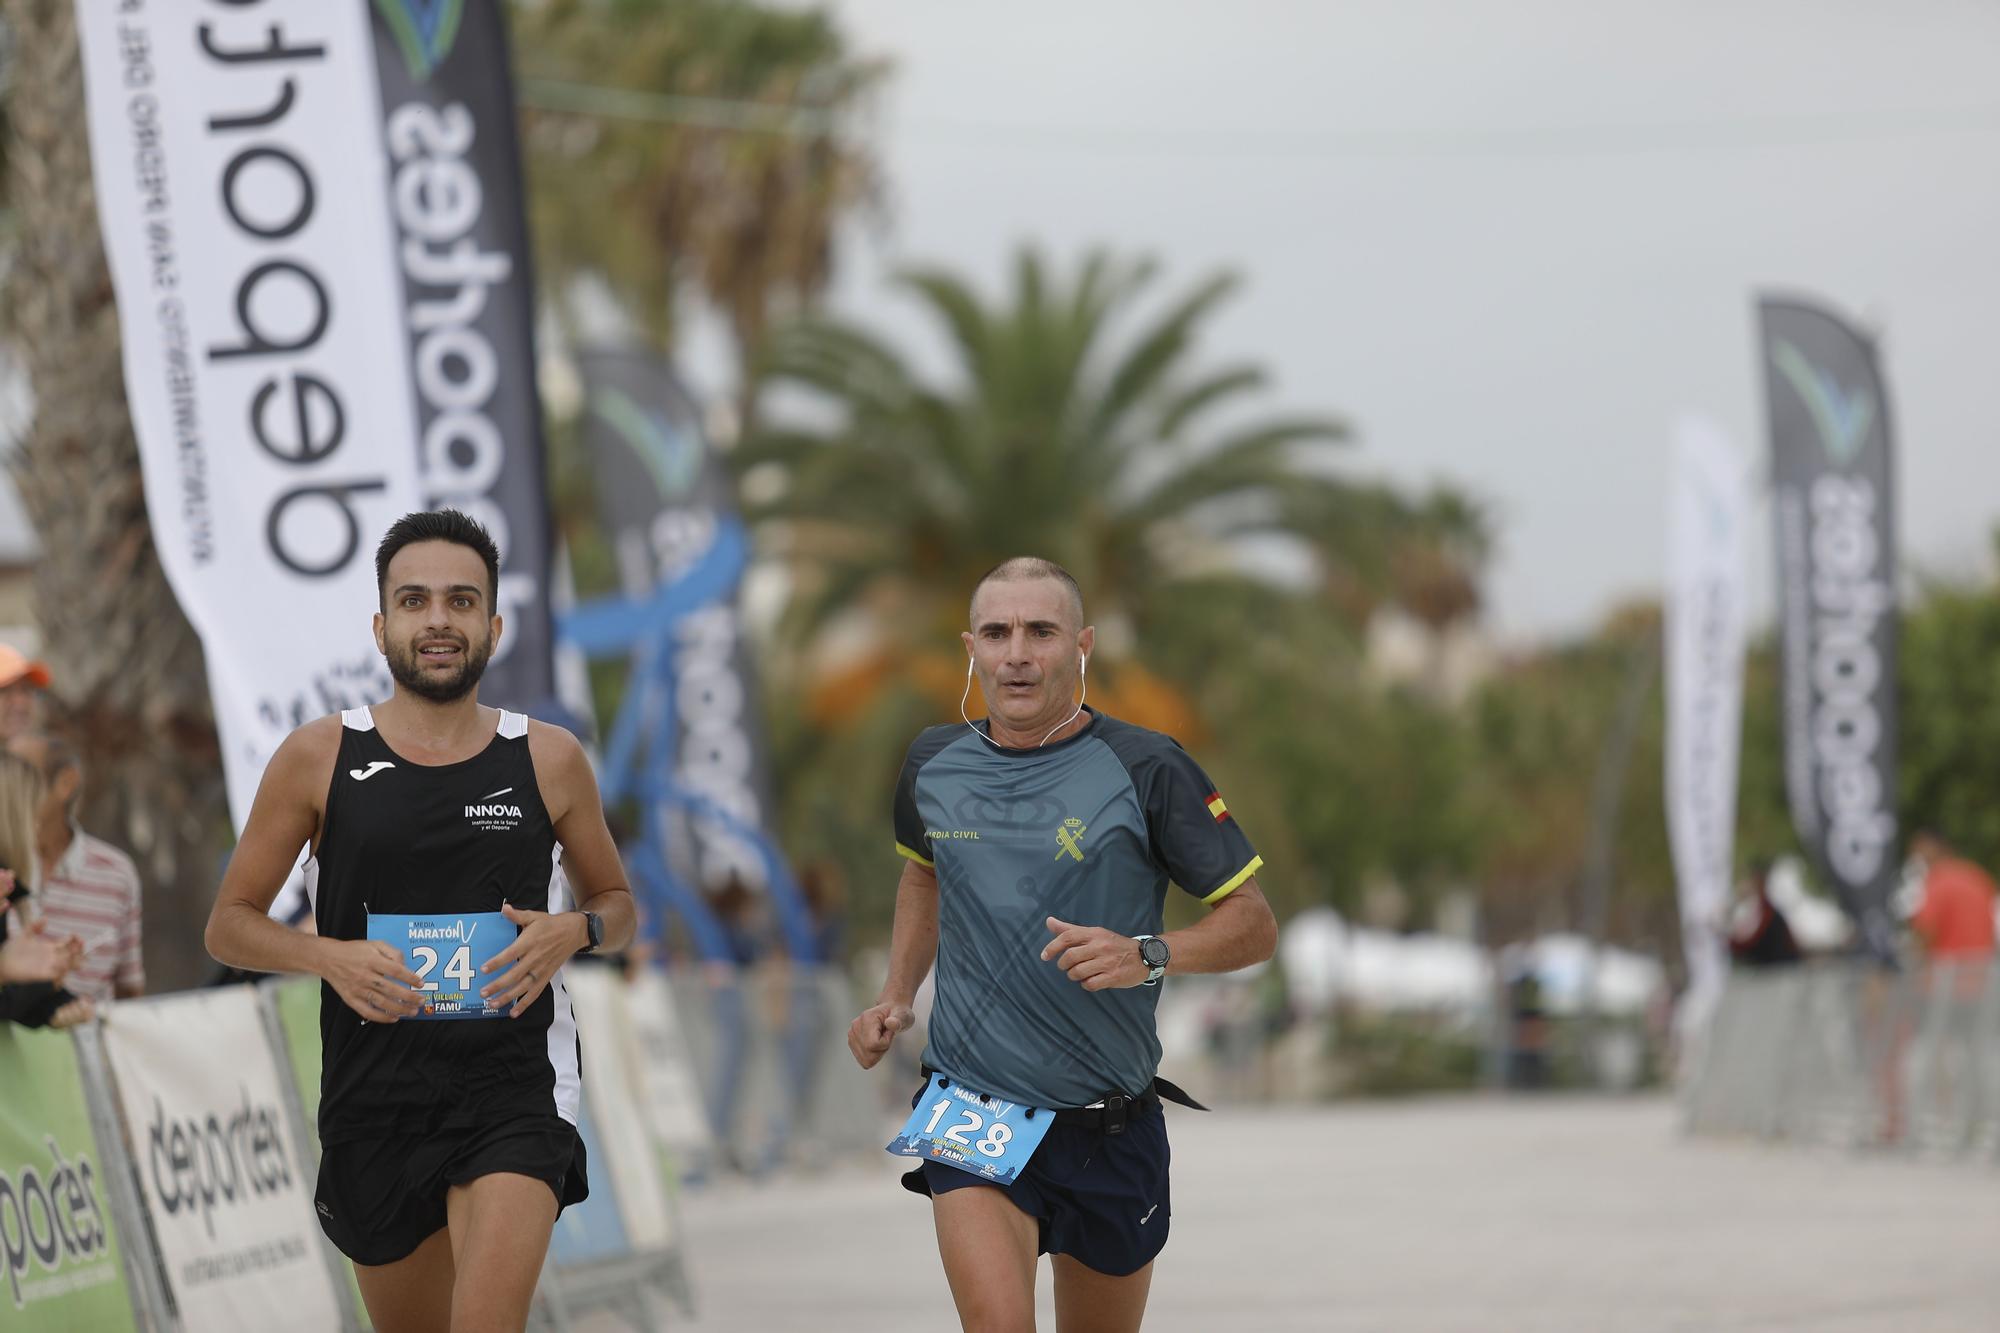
{"points": [[873, 1031], [31, 954], [1093, 957], [79, 1010], [372, 978]]}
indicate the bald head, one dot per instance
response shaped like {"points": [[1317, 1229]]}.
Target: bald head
{"points": [[1026, 569]]}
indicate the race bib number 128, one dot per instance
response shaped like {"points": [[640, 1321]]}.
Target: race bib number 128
{"points": [[961, 1127], [446, 953]]}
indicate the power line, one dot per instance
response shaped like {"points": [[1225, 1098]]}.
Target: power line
{"points": [[720, 113], [1290, 141], [1494, 142]]}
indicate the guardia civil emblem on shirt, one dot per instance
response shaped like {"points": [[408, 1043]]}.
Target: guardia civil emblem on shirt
{"points": [[1069, 840]]}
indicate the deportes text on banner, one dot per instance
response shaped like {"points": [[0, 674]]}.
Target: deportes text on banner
{"points": [[218, 1167], [60, 1265], [313, 220], [458, 201], [1834, 519], [243, 195]]}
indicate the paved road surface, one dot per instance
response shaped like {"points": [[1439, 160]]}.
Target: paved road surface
{"points": [[1486, 1216]]}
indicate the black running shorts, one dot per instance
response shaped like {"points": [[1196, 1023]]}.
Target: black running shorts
{"points": [[380, 1198], [1099, 1198]]}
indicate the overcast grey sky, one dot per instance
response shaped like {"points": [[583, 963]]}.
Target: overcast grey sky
{"points": [[1510, 239]]}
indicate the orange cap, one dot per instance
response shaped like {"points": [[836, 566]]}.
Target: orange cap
{"points": [[16, 666]]}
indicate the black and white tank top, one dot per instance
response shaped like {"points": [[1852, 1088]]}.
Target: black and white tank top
{"points": [[436, 839]]}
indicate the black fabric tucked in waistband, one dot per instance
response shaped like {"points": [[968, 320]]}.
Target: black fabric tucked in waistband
{"points": [[1117, 1107]]}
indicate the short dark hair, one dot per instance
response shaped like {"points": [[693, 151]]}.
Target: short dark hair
{"points": [[438, 525], [1022, 568]]}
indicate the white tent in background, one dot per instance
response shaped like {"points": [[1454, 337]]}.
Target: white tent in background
{"points": [[1327, 961], [1626, 982]]}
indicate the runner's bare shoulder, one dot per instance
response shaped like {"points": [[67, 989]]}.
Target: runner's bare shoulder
{"points": [[560, 763], [302, 766]]}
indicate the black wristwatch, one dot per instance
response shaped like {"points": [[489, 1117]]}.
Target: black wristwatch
{"points": [[593, 923], [1154, 953]]}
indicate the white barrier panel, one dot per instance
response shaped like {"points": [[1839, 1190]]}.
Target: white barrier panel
{"points": [[664, 1066], [218, 1162], [629, 1168]]}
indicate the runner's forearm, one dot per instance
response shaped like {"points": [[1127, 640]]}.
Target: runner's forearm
{"points": [[914, 937], [1240, 931], [242, 937]]}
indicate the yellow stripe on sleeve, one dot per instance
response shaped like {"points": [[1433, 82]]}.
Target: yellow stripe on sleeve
{"points": [[1235, 881], [1217, 808], [926, 862]]}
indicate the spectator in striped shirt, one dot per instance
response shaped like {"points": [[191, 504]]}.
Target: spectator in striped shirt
{"points": [[89, 888]]}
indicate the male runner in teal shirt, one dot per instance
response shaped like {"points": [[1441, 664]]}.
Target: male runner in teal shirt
{"points": [[1038, 852]]}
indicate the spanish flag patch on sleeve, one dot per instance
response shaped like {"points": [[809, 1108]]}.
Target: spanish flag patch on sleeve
{"points": [[1216, 807]]}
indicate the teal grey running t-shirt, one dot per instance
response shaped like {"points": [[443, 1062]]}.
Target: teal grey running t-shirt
{"points": [[1089, 829]]}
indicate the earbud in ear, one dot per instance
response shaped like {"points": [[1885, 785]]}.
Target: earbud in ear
{"points": [[1082, 665]]}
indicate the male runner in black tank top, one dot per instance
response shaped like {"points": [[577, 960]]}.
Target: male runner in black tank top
{"points": [[449, 1145]]}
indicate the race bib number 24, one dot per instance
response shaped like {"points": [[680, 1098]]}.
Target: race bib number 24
{"points": [[959, 1126], [446, 953]]}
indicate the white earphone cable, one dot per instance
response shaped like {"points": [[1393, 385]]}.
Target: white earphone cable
{"points": [[1082, 676]]}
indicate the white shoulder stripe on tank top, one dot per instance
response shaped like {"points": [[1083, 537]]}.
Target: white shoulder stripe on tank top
{"points": [[512, 726]]}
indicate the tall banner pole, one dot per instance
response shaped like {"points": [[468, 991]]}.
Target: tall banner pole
{"points": [[1708, 506], [313, 218], [1834, 520]]}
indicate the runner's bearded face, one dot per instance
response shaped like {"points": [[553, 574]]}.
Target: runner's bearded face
{"points": [[1025, 643], [437, 632]]}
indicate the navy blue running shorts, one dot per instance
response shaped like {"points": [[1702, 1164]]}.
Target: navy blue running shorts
{"points": [[380, 1198], [1099, 1198]]}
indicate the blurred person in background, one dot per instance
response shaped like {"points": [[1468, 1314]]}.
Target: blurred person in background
{"points": [[1935, 1056], [824, 889], [746, 926], [89, 889], [1954, 915], [1052, 806], [1528, 1029], [1759, 934], [803, 1023], [22, 681], [33, 962]]}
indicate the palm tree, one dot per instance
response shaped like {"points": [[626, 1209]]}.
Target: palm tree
{"points": [[129, 678], [1075, 421], [1060, 433], [704, 146]]}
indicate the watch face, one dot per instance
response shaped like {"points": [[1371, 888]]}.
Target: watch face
{"points": [[1153, 952]]}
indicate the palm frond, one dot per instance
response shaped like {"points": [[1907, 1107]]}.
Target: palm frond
{"points": [[1155, 353], [1184, 408]]}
